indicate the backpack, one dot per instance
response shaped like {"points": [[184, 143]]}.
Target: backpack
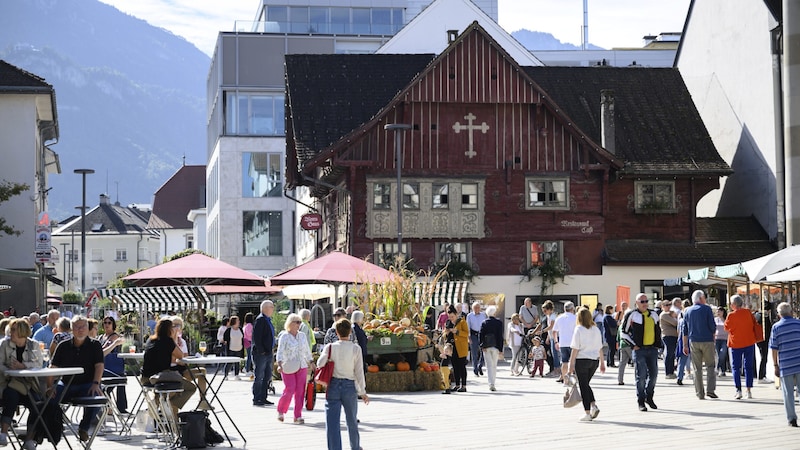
{"points": [[193, 429]]}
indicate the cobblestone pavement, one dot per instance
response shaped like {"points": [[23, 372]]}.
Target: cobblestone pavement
{"points": [[522, 412]]}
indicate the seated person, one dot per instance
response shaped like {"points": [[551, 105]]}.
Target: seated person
{"points": [[114, 366], [160, 352], [63, 332], [16, 353], [199, 373], [80, 351]]}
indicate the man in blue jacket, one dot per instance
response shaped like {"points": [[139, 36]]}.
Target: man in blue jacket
{"points": [[698, 339], [263, 342]]}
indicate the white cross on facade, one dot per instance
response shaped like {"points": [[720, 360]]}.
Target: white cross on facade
{"points": [[457, 127]]}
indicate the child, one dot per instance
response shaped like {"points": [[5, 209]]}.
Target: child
{"points": [[538, 357]]}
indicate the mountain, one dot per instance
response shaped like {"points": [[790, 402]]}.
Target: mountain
{"points": [[131, 97], [537, 40]]}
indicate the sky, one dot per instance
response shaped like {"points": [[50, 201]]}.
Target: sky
{"points": [[612, 23]]}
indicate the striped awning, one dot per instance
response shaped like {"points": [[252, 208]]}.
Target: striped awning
{"points": [[436, 294], [161, 298]]}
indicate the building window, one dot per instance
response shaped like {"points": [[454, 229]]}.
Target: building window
{"points": [[97, 278], [382, 197], [189, 241], [410, 195], [469, 196], [254, 114], [453, 251], [547, 193], [97, 254], [655, 197], [386, 253], [122, 255], [541, 251], [261, 175], [144, 254], [73, 255], [440, 196], [262, 233], [333, 20]]}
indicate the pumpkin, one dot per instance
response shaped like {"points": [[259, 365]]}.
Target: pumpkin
{"points": [[389, 367], [434, 367], [403, 366], [372, 368], [422, 340], [424, 365], [405, 321], [375, 323]]}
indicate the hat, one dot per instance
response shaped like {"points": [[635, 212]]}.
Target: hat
{"points": [[537, 338], [339, 312]]}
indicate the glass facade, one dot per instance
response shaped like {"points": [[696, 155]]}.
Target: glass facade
{"points": [[261, 175], [254, 114], [262, 233], [336, 20]]}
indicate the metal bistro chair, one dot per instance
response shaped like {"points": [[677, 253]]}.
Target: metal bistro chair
{"points": [[159, 406], [122, 425], [99, 401]]}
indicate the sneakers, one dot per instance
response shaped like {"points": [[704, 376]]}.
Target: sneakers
{"points": [[642, 408], [711, 395], [280, 417], [492, 388], [764, 381], [594, 411], [749, 395], [237, 378], [446, 391], [586, 418], [3, 439], [462, 389], [299, 421], [29, 445], [671, 376], [738, 395]]}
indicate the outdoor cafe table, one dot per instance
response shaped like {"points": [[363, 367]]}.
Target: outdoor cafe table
{"points": [[135, 359], [42, 373], [214, 390]]}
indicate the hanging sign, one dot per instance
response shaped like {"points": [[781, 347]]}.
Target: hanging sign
{"points": [[312, 221]]}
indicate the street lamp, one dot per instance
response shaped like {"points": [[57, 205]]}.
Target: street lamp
{"points": [[398, 129], [83, 173]]}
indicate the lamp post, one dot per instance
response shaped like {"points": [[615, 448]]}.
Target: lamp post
{"points": [[83, 173], [64, 273], [398, 129]]}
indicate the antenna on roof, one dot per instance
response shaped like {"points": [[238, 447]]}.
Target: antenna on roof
{"points": [[184, 159], [117, 201], [585, 24]]}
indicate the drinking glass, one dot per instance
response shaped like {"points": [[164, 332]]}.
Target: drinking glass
{"points": [[132, 349], [202, 347]]}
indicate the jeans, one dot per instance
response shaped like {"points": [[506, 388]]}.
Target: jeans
{"points": [[122, 396], [670, 344], [341, 393], [584, 370], [788, 385], [475, 353], [12, 399], [682, 361], [645, 361], [79, 390], [721, 349], [491, 355], [556, 356], [749, 356], [263, 363], [703, 353], [294, 386], [625, 355], [248, 362]]}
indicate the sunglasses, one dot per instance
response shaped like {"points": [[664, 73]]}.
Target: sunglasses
{"points": [[644, 301], [297, 321], [106, 322]]}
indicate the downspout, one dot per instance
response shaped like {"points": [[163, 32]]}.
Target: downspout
{"points": [[137, 249]]}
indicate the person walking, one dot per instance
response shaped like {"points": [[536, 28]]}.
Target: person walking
{"points": [[698, 339], [347, 384], [233, 343], [460, 333], [491, 342], [625, 356], [514, 337], [555, 358], [740, 326], [474, 321], [721, 341], [263, 342], [683, 360], [785, 345], [640, 327], [293, 358], [586, 353], [247, 330], [610, 334], [764, 319], [563, 330], [668, 320]]}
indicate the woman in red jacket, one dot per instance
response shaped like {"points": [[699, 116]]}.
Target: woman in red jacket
{"points": [[740, 325]]}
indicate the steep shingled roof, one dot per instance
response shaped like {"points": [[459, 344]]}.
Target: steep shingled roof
{"points": [[331, 95], [107, 218], [658, 128], [13, 77], [183, 192]]}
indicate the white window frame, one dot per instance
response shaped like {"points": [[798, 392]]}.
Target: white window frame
{"points": [[121, 254], [654, 202], [471, 199], [97, 278], [548, 203], [97, 255]]}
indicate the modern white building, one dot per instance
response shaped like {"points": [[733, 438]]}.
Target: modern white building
{"points": [[28, 126], [250, 223], [117, 239]]}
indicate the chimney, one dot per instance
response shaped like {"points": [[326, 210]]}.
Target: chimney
{"points": [[104, 199], [607, 126], [452, 35]]}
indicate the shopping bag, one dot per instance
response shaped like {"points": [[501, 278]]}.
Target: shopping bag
{"points": [[573, 395], [323, 375]]}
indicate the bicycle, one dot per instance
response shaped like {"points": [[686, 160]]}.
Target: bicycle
{"points": [[524, 359]]}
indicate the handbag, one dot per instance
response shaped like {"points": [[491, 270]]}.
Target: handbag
{"points": [[311, 395], [323, 375], [573, 395]]}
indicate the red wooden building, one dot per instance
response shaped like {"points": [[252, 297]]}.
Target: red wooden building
{"points": [[505, 168]]}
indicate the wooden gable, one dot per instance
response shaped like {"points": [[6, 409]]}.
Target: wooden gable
{"points": [[474, 107]]}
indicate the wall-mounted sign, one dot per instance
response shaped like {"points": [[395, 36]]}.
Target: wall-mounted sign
{"points": [[43, 245], [583, 225], [312, 221]]}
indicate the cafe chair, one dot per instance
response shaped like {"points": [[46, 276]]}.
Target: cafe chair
{"points": [[109, 385], [161, 410], [99, 401]]}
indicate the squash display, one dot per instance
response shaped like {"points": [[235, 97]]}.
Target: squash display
{"points": [[403, 366], [372, 368]]}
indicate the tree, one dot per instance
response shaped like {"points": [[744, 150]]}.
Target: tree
{"points": [[8, 190]]}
